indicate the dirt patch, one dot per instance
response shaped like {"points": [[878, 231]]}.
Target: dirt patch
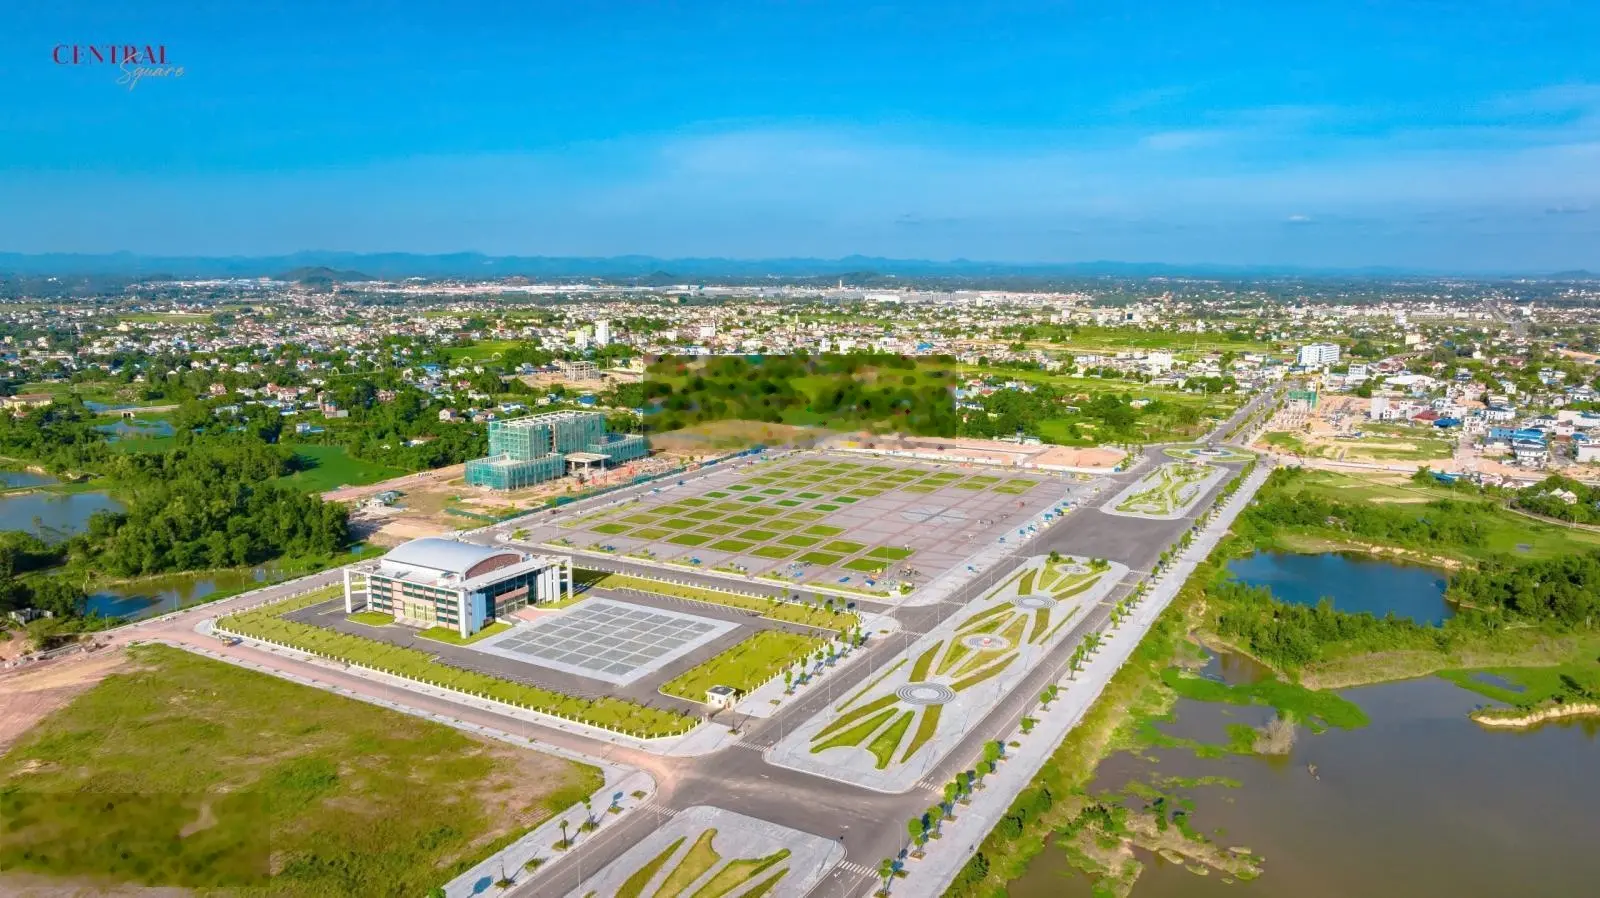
{"points": [[27, 885], [516, 797], [717, 437], [29, 694]]}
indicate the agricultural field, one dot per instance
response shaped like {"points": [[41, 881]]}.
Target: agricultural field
{"points": [[908, 716], [707, 852], [195, 774], [869, 526], [1166, 492]]}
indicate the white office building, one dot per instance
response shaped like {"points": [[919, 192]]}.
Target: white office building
{"points": [[602, 332], [1316, 355]]}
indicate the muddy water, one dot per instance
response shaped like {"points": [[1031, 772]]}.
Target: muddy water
{"points": [[1420, 804]]}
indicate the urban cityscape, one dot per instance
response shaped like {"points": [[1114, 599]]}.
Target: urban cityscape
{"points": [[708, 531]]}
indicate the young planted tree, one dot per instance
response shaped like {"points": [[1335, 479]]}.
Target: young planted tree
{"points": [[886, 870], [952, 791]]}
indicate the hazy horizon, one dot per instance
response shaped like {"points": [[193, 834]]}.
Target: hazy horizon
{"points": [[1437, 138]]}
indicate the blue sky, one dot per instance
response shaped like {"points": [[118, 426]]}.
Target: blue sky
{"points": [[1458, 136]]}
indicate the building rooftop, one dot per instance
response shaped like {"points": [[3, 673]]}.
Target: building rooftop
{"points": [[447, 556]]}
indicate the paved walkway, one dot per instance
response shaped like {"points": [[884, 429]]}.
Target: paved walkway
{"points": [[737, 838], [928, 878]]}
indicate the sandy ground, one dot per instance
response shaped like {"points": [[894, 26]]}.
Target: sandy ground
{"points": [[404, 483], [24, 885], [994, 452], [1081, 457], [30, 693], [719, 437]]}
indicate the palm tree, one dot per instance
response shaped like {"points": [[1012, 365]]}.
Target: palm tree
{"points": [[886, 870], [565, 842]]}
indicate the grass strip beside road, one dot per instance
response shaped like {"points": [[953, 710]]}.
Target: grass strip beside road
{"points": [[447, 634], [789, 612], [745, 666]]}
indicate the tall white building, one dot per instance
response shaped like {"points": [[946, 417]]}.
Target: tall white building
{"points": [[1315, 355], [602, 332]]}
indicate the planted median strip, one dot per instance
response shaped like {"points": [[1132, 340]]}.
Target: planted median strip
{"points": [[777, 609], [614, 714], [745, 666]]}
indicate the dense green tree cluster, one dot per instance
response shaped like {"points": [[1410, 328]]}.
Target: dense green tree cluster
{"points": [[1295, 635], [61, 436], [209, 505], [1550, 497], [848, 390], [1443, 522], [1564, 590]]}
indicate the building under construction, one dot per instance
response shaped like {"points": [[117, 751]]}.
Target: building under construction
{"points": [[528, 451]]}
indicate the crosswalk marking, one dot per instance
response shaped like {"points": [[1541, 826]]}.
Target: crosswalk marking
{"points": [[858, 869]]}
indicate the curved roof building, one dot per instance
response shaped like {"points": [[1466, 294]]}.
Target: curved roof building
{"points": [[448, 558], [434, 582]]}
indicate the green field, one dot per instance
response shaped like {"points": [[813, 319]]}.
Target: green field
{"points": [[745, 666], [1506, 533], [332, 467], [197, 774]]}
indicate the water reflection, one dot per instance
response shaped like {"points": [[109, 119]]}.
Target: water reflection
{"points": [[1422, 802], [1354, 583]]}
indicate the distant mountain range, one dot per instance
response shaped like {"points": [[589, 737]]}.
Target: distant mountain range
{"points": [[339, 266]]}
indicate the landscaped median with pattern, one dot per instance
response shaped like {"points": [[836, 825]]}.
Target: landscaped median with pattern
{"points": [[888, 733], [267, 624]]}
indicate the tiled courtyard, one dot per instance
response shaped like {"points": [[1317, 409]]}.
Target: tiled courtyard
{"points": [[608, 640], [837, 521]]}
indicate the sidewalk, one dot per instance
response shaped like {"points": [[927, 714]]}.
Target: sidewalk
{"points": [[929, 877]]}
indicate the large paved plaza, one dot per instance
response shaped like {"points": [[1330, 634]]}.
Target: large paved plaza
{"points": [[613, 641], [829, 520]]}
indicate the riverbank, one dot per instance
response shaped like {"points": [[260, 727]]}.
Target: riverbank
{"points": [[1519, 718]]}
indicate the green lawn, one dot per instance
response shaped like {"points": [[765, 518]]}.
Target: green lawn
{"points": [[1506, 533], [372, 618], [332, 467], [187, 772], [449, 634], [745, 666]]}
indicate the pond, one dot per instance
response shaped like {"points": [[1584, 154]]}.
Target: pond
{"points": [[1421, 803], [1354, 583], [137, 429], [53, 517], [158, 595], [14, 479]]}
